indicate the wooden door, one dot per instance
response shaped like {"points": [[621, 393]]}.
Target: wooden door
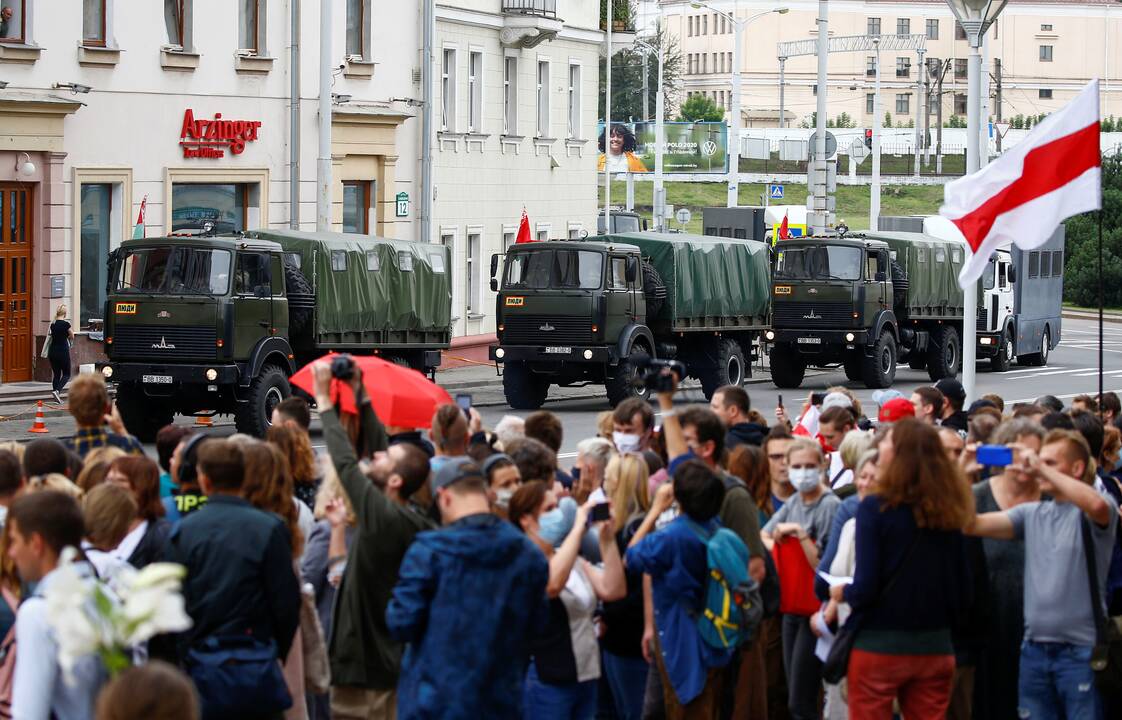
{"points": [[16, 282]]}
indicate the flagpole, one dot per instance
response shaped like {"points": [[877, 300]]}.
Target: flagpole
{"points": [[1100, 313]]}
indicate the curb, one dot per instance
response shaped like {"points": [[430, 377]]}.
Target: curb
{"points": [[1111, 318]]}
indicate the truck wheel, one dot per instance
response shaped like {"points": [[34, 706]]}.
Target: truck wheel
{"points": [[1038, 359], [1004, 357], [524, 390], [854, 369], [730, 370], [944, 353], [254, 416], [297, 287], [787, 367], [879, 370], [627, 382], [654, 290], [143, 416]]}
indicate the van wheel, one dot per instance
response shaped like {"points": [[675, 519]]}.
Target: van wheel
{"points": [[853, 366], [788, 368], [1038, 359], [524, 389], [627, 381], [944, 353], [730, 369], [879, 370], [1004, 357], [255, 416], [143, 416]]}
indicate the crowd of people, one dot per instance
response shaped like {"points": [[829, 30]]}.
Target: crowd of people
{"points": [[928, 560]]}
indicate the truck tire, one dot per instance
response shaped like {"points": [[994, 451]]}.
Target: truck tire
{"points": [[944, 353], [254, 416], [854, 366], [627, 382], [524, 390], [1004, 357], [730, 369], [143, 416], [297, 287], [787, 367], [879, 370], [654, 290], [1038, 359]]}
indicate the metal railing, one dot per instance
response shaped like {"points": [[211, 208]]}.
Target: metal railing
{"points": [[544, 8]]}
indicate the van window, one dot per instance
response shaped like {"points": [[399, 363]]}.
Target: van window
{"points": [[253, 276], [1034, 264], [1045, 264], [1057, 263], [338, 260], [373, 264]]}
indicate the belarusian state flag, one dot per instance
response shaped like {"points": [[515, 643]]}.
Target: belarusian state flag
{"points": [[1021, 197], [138, 231], [524, 235]]}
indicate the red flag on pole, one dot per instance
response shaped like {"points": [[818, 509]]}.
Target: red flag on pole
{"points": [[524, 235], [138, 230], [784, 233]]}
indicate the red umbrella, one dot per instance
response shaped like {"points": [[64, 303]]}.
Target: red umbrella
{"points": [[402, 397]]}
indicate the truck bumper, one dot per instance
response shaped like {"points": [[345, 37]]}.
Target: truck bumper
{"points": [[124, 372], [592, 354], [988, 344], [814, 341]]}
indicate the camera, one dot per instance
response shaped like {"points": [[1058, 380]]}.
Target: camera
{"points": [[343, 367], [654, 379]]}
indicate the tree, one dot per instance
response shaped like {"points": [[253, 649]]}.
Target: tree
{"points": [[845, 121], [1081, 256], [887, 119], [623, 11], [700, 108], [627, 79]]}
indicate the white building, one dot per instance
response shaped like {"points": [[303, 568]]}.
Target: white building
{"points": [[516, 106], [77, 160]]}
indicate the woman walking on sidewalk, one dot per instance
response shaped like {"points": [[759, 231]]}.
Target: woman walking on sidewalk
{"points": [[61, 335]]}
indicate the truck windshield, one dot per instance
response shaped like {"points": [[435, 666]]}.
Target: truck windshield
{"points": [[819, 262], [555, 269], [987, 275], [174, 271]]}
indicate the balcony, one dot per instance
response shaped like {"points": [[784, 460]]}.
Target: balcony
{"points": [[529, 23]]}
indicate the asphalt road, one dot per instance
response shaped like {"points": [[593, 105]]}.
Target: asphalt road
{"points": [[1072, 370]]}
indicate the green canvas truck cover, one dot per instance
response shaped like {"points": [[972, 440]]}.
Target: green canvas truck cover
{"points": [[711, 282], [932, 266], [365, 283]]}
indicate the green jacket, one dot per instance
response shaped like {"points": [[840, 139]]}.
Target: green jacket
{"points": [[362, 653]]}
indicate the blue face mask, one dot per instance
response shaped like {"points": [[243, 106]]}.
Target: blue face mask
{"points": [[555, 525]]}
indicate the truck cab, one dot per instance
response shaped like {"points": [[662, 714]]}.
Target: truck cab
{"points": [[623, 221], [996, 325]]}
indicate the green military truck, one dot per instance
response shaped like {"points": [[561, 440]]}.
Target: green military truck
{"points": [[591, 311], [863, 301], [202, 325]]}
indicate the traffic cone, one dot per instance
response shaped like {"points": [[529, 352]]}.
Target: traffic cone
{"points": [[203, 421], [39, 426]]}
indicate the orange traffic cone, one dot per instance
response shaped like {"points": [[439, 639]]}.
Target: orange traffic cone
{"points": [[203, 421], [39, 426]]}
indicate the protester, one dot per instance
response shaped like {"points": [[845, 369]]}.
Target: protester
{"points": [[535, 461], [928, 403], [40, 526], [148, 534], [503, 480], [108, 511], [296, 446], [294, 412], [593, 455], [145, 692], [833, 426], [469, 599], [450, 434], [509, 428], [188, 495], [954, 396], [981, 428], [733, 407], [44, 456], [750, 464], [953, 443], [909, 529], [167, 439], [997, 400], [1050, 403], [1084, 403], [11, 482], [1055, 677], [633, 423], [1111, 408], [98, 422]]}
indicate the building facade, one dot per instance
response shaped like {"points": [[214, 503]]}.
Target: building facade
{"points": [[1048, 50], [185, 107], [515, 123]]}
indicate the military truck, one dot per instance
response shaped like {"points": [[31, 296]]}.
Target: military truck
{"points": [[863, 300], [591, 311], [204, 325]]}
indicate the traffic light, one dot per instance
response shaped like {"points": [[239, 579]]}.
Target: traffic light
{"points": [[869, 139]]}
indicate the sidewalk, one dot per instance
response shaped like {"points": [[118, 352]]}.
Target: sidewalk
{"points": [[1109, 316]]}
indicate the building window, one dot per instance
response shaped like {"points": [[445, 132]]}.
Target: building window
{"points": [[872, 27], [224, 205], [543, 98], [574, 100], [510, 95], [543, 235], [689, 27], [903, 26], [903, 67], [471, 278], [509, 236], [932, 29], [902, 102], [960, 69], [356, 206], [871, 66], [93, 23], [575, 231], [448, 91], [705, 63], [475, 92], [1044, 93], [1045, 53], [959, 31], [101, 232], [177, 15], [960, 103], [356, 28], [1045, 28], [250, 23], [870, 101], [704, 24]]}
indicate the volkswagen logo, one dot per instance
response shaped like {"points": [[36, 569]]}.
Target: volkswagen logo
{"points": [[708, 148], [547, 328], [163, 345]]}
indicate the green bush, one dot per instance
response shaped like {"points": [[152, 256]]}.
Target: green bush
{"points": [[1081, 259]]}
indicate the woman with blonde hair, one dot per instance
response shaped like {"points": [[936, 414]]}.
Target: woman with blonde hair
{"points": [[96, 466], [297, 448], [57, 351]]}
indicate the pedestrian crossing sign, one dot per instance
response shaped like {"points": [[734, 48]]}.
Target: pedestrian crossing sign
{"points": [[775, 192]]}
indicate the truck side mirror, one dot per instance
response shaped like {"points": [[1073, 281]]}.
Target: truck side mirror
{"points": [[1012, 274], [494, 265], [880, 277], [646, 226], [632, 271], [494, 285]]}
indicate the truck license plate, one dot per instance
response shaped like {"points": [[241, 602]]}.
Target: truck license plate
{"points": [[810, 341], [557, 350], [158, 379]]}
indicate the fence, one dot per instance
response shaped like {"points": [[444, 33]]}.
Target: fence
{"points": [[790, 156], [545, 8]]}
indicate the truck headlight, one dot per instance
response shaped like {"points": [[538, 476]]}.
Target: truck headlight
{"points": [[986, 341], [587, 354], [500, 354], [211, 374], [107, 371], [850, 337], [770, 335]]}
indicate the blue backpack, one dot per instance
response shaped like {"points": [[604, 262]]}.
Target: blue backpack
{"points": [[733, 607]]}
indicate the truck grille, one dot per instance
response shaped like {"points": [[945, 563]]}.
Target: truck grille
{"points": [[163, 342], [826, 314], [983, 319], [545, 330]]}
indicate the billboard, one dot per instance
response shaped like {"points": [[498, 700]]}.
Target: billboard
{"points": [[691, 147]]}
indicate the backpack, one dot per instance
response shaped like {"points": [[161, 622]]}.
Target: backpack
{"points": [[733, 608]]}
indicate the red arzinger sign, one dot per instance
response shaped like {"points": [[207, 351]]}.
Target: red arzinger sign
{"points": [[211, 138]]}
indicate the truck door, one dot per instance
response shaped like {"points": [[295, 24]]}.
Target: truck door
{"points": [[878, 294], [1002, 304], [280, 300], [619, 298], [253, 301]]}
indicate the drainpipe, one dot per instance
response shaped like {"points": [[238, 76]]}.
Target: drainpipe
{"points": [[294, 116], [428, 33], [323, 161]]}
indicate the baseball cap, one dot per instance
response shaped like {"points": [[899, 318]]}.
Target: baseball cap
{"points": [[952, 390], [880, 397], [979, 404], [896, 409], [455, 470], [836, 399]]}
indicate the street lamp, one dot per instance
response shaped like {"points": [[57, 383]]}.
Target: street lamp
{"points": [[734, 131], [975, 16]]}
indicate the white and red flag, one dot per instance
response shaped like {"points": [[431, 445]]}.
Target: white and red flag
{"points": [[1021, 197], [524, 235]]}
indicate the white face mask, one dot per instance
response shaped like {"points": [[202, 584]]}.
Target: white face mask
{"points": [[503, 496], [805, 479], [626, 442]]}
